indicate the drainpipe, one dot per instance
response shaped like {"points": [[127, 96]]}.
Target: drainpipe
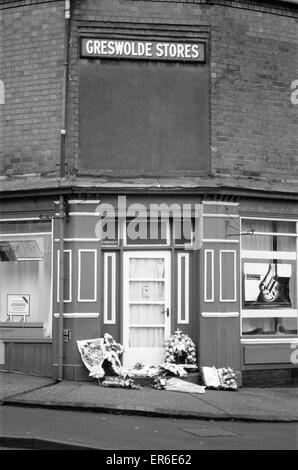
{"points": [[61, 217], [61, 288]]}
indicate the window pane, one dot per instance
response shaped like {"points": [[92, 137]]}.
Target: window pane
{"points": [[147, 268], [25, 287], [268, 226], [269, 285], [145, 232], [268, 242], [146, 337], [26, 227], [150, 291], [146, 314], [269, 326]]}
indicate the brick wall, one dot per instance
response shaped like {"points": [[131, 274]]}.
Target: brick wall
{"points": [[254, 58], [270, 378], [31, 66]]}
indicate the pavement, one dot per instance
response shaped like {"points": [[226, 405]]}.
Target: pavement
{"points": [[246, 404]]}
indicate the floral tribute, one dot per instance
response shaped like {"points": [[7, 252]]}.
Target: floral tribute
{"points": [[119, 382], [180, 349], [142, 370], [177, 385], [173, 369], [95, 352], [224, 378], [228, 378]]}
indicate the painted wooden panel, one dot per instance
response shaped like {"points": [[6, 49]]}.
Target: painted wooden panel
{"points": [[221, 278], [191, 327], [67, 275], [276, 354], [31, 358], [214, 228], [80, 329], [209, 276], [112, 328], [183, 288], [28, 331], [110, 288], [143, 117], [227, 275], [220, 342], [87, 275]]}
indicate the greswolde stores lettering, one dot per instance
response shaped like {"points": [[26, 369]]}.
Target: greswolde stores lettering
{"points": [[145, 50]]}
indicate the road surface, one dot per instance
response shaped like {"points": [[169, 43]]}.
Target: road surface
{"points": [[119, 432]]}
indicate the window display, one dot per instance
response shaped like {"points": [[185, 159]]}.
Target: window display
{"points": [[269, 270], [25, 273]]}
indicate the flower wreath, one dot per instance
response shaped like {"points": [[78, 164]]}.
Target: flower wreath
{"points": [[180, 349]]}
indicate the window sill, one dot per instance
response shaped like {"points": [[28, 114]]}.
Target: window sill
{"points": [[26, 340], [21, 324]]}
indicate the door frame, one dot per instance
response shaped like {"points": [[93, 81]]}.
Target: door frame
{"points": [[127, 254]]}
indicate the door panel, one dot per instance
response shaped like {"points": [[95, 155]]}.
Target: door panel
{"points": [[146, 313]]}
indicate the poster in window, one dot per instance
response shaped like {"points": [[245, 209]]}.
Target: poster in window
{"points": [[18, 305], [267, 285]]}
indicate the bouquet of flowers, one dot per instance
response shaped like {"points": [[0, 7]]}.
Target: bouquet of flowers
{"points": [[177, 385], [223, 379], [159, 383], [174, 369], [180, 349], [112, 345], [142, 370], [95, 352], [228, 378], [118, 382]]}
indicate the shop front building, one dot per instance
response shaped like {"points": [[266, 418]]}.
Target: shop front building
{"points": [[176, 205]]}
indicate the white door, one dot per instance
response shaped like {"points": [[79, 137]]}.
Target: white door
{"points": [[146, 306]]}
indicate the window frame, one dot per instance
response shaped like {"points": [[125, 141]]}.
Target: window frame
{"points": [[247, 255], [28, 235]]}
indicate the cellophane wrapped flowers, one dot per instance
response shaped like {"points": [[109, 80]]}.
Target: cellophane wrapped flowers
{"points": [[180, 349], [228, 378], [224, 378], [173, 369], [95, 352], [142, 370]]}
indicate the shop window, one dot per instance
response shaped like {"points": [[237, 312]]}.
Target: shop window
{"points": [[269, 271], [25, 274]]}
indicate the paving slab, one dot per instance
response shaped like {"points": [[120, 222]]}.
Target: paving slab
{"points": [[144, 401], [252, 402], [278, 404], [14, 384]]}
